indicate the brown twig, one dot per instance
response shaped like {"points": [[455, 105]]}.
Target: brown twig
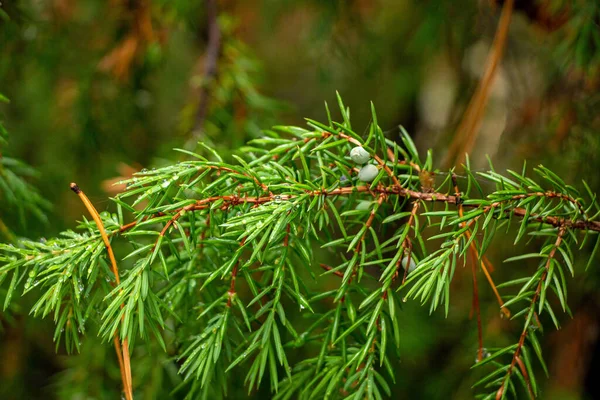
{"points": [[526, 377], [233, 200], [122, 354], [486, 271], [466, 134], [359, 245], [120, 359], [559, 238], [369, 222], [203, 234], [486, 267], [329, 268], [407, 243], [392, 158], [475, 256], [477, 309], [234, 273]]}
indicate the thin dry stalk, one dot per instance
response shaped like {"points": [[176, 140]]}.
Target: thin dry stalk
{"points": [[467, 131], [123, 353]]}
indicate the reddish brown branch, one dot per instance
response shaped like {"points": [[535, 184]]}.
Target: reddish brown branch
{"points": [[475, 256], [559, 238], [233, 200], [552, 195], [526, 377], [287, 236], [407, 244], [408, 259], [120, 359], [203, 234], [370, 221], [477, 308], [392, 158], [234, 273], [328, 268]]}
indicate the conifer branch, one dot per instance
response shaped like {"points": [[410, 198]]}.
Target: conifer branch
{"points": [[220, 253], [526, 330], [234, 200]]}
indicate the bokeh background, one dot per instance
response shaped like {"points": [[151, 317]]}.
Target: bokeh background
{"points": [[101, 89]]}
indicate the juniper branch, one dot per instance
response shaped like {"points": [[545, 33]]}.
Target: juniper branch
{"points": [[246, 230]]}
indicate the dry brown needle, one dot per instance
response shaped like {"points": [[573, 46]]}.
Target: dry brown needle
{"points": [[123, 350]]}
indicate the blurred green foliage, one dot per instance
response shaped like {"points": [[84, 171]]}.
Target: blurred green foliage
{"points": [[19, 200]]}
